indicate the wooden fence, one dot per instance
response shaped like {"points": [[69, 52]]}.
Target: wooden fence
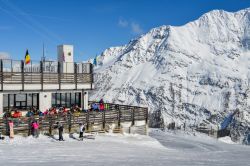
{"points": [[113, 114]]}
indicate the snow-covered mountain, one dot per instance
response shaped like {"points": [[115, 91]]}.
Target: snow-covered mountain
{"points": [[196, 73]]}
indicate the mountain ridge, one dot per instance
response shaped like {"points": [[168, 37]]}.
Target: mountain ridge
{"points": [[188, 73]]}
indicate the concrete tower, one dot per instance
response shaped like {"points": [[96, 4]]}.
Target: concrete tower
{"points": [[65, 55]]}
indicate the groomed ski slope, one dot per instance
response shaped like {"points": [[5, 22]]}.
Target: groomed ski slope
{"points": [[159, 148]]}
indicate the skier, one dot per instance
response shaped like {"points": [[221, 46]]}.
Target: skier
{"points": [[59, 125], [81, 130], [35, 127], [11, 129], [1, 137]]}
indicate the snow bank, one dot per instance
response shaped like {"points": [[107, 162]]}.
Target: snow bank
{"points": [[227, 140]]}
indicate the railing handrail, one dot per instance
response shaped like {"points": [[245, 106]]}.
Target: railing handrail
{"points": [[91, 102], [44, 61]]}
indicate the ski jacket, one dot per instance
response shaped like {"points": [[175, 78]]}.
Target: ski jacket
{"points": [[82, 128], [35, 125], [102, 106]]}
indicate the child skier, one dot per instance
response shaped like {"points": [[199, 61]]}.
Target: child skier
{"points": [[81, 130], [35, 127], [1, 138], [59, 125]]}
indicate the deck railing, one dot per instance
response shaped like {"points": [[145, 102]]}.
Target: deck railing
{"points": [[44, 72], [113, 114]]}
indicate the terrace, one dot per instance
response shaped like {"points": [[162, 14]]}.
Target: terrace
{"points": [[44, 75]]}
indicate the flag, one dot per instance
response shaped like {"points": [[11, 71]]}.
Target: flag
{"points": [[27, 57]]}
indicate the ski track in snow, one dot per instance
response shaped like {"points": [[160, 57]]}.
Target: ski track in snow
{"points": [[159, 148]]}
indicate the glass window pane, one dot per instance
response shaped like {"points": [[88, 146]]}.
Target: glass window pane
{"points": [[68, 100], [11, 101], [20, 97], [63, 99], [29, 100], [18, 104], [53, 99], [77, 99], [58, 101], [35, 101], [73, 99], [5, 100]]}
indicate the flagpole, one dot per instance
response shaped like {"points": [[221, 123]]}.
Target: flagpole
{"points": [[43, 57]]}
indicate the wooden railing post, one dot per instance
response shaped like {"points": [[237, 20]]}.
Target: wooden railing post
{"points": [[133, 117], [22, 72], [41, 72], [1, 73], [69, 120], [59, 74], [103, 120], [75, 75], [87, 120], [146, 118], [7, 126], [50, 125], [119, 115]]}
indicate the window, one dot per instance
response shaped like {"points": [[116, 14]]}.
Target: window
{"points": [[66, 99], [63, 99], [21, 101], [53, 99], [72, 99]]}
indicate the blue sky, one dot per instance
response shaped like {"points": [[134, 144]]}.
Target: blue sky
{"points": [[92, 26]]}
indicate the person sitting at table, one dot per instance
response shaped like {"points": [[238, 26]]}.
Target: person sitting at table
{"points": [[17, 114], [29, 113], [95, 107]]}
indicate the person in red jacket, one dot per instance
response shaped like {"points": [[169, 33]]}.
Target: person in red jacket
{"points": [[101, 106], [17, 114]]}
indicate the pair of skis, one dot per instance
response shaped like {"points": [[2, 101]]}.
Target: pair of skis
{"points": [[75, 138], [84, 137]]}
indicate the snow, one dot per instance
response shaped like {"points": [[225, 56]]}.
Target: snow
{"points": [[226, 139], [159, 148]]}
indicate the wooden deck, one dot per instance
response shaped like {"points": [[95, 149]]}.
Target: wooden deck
{"points": [[112, 119]]}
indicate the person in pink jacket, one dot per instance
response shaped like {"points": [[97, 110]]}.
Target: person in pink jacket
{"points": [[11, 129], [35, 128]]}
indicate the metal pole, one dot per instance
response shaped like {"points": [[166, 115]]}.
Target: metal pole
{"points": [[1, 73]]}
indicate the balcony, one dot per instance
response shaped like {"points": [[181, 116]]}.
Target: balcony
{"points": [[45, 75]]}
